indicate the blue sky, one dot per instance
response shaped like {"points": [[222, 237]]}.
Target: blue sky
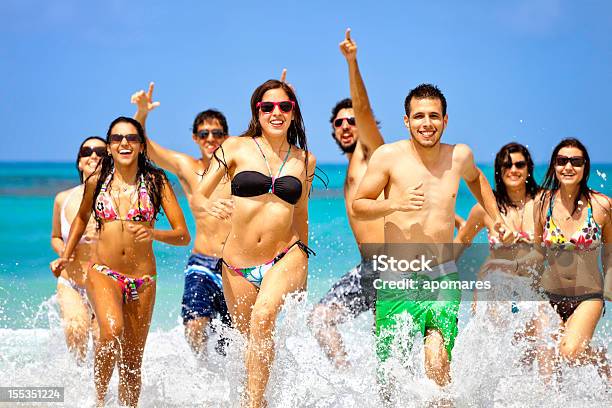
{"points": [[532, 71]]}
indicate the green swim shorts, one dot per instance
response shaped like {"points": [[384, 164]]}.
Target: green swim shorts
{"points": [[429, 308]]}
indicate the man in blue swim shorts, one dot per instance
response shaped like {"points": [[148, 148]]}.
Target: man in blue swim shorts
{"points": [[203, 295]]}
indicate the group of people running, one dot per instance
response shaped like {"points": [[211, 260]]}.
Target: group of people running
{"points": [[249, 196]]}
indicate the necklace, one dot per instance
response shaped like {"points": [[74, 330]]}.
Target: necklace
{"points": [[117, 201]]}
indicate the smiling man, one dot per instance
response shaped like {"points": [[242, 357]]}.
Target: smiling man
{"points": [[203, 294], [419, 178]]}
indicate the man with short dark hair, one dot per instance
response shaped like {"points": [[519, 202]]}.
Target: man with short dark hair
{"points": [[419, 178], [354, 293], [203, 294]]}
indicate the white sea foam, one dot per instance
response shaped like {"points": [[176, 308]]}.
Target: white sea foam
{"points": [[486, 366]]}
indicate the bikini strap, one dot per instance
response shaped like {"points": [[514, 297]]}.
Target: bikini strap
{"points": [[104, 186], [550, 206], [303, 247], [268, 165]]}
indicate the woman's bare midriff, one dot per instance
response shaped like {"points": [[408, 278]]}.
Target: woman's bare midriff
{"points": [[118, 250], [260, 231]]}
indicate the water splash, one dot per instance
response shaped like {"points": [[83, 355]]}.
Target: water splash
{"points": [[487, 367]]}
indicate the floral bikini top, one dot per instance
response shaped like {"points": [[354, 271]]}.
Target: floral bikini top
{"points": [[105, 209], [587, 238]]}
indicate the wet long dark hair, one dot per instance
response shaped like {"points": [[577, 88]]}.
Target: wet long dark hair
{"points": [[551, 183], [79, 154], [503, 157], [154, 177], [296, 135]]}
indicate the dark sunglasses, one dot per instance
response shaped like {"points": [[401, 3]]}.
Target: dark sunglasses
{"points": [[350, 120], [518, 164], [574, 161], [117, 138], [87, 151], [268, 107], [216, 133]]}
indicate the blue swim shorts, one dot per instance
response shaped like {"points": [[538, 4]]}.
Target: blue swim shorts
{"points": [[203, 294]]}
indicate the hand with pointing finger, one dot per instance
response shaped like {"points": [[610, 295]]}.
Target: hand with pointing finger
{"points": [[144, 100], [412, 199], [283, 79], [348, 47]]}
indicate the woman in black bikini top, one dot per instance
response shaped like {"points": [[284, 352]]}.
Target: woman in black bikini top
{"points": [[265, 257]]}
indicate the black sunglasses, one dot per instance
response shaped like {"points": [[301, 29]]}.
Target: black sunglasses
{"points": [[117, 138], [518, 164], [350, 120], [87, 151], [575, 161], [216, 133]]}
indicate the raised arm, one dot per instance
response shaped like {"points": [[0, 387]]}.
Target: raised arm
{"points": [[481, 189], [176, 163], [370, 137], [57, 242], [300, 214]]}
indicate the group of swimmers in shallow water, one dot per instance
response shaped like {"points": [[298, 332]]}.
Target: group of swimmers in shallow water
{"points": [[249, 197]]}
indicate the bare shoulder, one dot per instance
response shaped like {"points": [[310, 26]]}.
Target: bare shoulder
{"points": [[61, 196], [312, 159], [461, 152], [232, 146], [190, 163], [389, 151], [601, 202]]}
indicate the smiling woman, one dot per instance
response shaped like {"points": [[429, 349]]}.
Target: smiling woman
{"points": [[74, 307], [125, 196], [265, 257]]}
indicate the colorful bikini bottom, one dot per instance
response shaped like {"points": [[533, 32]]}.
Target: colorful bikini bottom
{"points": [[129, 286], [255, 274]]}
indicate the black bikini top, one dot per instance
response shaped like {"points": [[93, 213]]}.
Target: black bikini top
{"points": [[253, 183]]}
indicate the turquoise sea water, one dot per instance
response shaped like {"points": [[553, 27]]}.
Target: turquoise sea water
{"points": [[26, 201], [484, 368]]}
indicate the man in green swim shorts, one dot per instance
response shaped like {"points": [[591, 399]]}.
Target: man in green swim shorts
{"points": [[420, 177]]}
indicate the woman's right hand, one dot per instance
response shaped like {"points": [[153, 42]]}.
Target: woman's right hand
{"points": [[499, 265], [58, 265], [221, 208]]}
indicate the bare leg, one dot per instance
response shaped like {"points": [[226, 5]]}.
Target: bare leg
{"points": [[240, 296], [105, 297], [137, 317], [76, 320], [579, 328], [287, 276], [547, 359], [195, 334], [437, 365], [323, 320]]}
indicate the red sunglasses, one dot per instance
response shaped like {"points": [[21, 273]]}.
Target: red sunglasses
{"points": [[268, 107]]}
